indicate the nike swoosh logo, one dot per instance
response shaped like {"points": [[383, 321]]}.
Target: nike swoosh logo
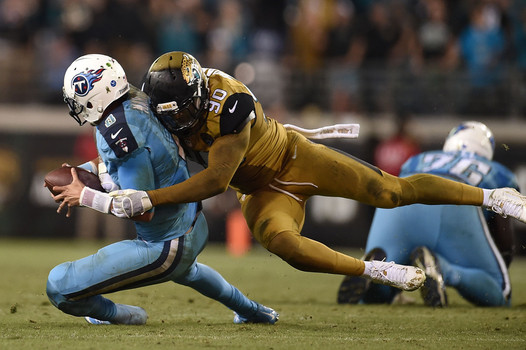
{"points": [[231, 110], [113, 136]]}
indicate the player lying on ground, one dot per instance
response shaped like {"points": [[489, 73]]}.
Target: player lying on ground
{"points": [[457, 246], [137, 152]]}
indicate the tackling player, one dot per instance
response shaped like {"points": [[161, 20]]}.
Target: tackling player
{"points": [[275, 171], [138, 152], [457, 246]]}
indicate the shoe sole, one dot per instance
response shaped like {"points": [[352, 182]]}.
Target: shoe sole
{"points": [[352, 289], [96, 322], [433, 291], [416, 282]]}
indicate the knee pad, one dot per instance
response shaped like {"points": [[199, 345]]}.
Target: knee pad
{"points": [[56, 292], [59, 300], [53, 290]]}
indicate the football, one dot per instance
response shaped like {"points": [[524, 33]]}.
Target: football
{"points": [[62, 176]]}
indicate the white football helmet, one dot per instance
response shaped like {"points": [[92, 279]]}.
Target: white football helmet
{"points": [[91, 84], [473, 137]]}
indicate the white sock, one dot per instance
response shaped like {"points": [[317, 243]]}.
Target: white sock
{"points": [[487, 193]]}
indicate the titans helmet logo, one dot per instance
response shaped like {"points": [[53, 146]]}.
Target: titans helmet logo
{"points": [[83, 82]]}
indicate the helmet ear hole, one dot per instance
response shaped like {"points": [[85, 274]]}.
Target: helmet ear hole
{"points": [[89, 105]]}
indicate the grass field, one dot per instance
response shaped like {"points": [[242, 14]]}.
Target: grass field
{"points": [[179, 318]]}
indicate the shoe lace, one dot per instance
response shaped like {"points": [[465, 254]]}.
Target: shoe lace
{"points": [[387, 271], [507, 205]]}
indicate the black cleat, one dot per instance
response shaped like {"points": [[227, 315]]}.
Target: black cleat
{"points": [[434, 289], [353, 288]]}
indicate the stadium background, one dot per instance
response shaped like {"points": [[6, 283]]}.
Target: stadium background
{"points": [[427, 63]]}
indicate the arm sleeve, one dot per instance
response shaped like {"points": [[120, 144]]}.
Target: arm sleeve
{"points": [[236, 113]]}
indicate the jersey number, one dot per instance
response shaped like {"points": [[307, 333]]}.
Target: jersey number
{"points": [[470, 169], [219, 95]]}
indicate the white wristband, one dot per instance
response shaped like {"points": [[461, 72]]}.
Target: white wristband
{"points": [[96, 200]]}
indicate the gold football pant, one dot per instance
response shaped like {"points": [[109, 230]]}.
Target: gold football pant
{"points": [[276, 213]]}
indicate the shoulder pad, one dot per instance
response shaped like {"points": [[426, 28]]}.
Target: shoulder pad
{"points": [[237, 112], [116, 131]]}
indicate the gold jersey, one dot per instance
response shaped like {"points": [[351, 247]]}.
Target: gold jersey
{"points": [[232, 105]]}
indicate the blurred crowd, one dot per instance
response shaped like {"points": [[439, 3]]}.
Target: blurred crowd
{"points": [[368, 56]]}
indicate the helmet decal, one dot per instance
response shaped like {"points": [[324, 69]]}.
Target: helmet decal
{"points": [[83, 82], [189, 70], [186, 68], [91, 84]]}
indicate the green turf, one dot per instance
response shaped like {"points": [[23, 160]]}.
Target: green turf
{"points": [[182, 319]]}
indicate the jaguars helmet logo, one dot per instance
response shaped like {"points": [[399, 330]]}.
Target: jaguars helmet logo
{"points": [[189, 70]]}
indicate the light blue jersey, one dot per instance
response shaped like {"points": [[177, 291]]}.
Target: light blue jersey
{"points": [[141, 154], [458, 235], [465, 167]]}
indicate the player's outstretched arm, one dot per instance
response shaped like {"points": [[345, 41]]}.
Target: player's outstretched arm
{"points": [[224, 158]]}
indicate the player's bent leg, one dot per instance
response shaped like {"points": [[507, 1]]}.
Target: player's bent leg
{"points": [[475, 285], [99, 309], [76, 287], [482, 290], [210, 283], [275, 220], [308, 255]]}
